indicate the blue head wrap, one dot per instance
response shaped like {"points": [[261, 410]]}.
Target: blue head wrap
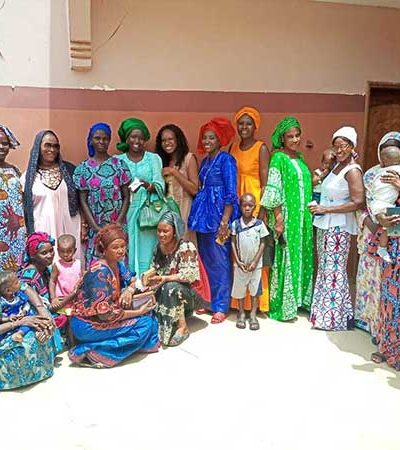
{"points": [[97, 126]]}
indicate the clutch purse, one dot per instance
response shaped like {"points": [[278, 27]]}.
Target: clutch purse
{"points": [[140, 299]]}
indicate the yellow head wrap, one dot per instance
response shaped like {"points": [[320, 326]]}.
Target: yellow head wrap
{"points": [[251, 112]]}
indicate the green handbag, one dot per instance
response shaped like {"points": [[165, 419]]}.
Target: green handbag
{"points": [[152, 210]]}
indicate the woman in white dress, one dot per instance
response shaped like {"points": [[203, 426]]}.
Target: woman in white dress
{"points": [[50, 199]]}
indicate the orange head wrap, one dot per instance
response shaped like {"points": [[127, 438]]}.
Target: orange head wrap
{"points": [[221, 127], [251, 112], [109, 233]]}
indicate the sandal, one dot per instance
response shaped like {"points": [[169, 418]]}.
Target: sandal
{"points": [[241, 321], [254, 325], [378, 358], [201, 311], [177, 339], [218, 317]]}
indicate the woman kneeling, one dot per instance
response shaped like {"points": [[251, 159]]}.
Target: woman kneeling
{"points": [[175, 266], [107, 333]]}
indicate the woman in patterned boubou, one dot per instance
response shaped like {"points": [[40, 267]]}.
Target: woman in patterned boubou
{"points": [[175, 266]]}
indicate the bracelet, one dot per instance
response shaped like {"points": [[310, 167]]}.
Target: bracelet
{"points": [[84, 225]]}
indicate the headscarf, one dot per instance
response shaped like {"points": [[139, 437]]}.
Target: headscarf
{"points": [[221, 127], [34, 242], [126, 128], [284, 125], [108, 234], [346, 132], [175, 220], [30, 178], [388, 137], [11, 138], [96, 127], [251, 112]]}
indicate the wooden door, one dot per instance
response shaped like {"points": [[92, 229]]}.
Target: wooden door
{"points": [[382, 114]]}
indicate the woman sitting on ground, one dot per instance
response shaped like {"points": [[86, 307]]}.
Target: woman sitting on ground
{"points": [[175, 265], [107, 333]]}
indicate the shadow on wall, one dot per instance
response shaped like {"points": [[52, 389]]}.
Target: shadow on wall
{"points": [[357, 346]]}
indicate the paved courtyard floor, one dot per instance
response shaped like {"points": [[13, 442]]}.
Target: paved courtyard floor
{"points": [[285, 387]]}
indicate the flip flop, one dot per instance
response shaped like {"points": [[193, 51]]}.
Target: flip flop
{"points": [[177, 339], [218, 317], [254, 325], [201, 311], [241, 322]]}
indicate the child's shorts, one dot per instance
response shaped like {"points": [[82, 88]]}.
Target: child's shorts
{"points": [[243, 281]]}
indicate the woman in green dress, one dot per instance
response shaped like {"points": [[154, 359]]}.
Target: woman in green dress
{"points": [[288, 191], [146, 174]]}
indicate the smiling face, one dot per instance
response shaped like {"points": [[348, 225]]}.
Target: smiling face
{"points": [[165, 233], [246, 127], [168, 141], [49, 150], [136, 141], [4, 146], [291, 139], [44, 255], [210, 142], [342, 149], [115, 251], [100, 141]]}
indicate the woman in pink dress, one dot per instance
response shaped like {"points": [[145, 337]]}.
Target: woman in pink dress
{"points": [[50, 198]]}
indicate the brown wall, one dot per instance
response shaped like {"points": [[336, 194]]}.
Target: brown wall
{"points": [[70, 113]]}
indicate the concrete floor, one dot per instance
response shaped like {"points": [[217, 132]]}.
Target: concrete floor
{"points": [[285, 387]]}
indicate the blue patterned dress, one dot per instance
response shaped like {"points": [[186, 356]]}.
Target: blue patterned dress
{"points": [[103, 183], [12, 223], [218, 178]]}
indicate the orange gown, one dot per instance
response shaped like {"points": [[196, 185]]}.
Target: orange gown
{"points": [[248, 164]]}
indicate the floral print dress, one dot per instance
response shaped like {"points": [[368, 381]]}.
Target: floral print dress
{"points": [[103, 182]]}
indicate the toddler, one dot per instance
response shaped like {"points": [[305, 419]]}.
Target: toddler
{"points": [[248, 242], [65, 276], [327, 162], [384, 195], [14, 302]]}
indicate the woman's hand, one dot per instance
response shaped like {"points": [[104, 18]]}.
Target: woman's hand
{"points": [[223, 232], [388, 221], [373, 227], [84, 232], [39, 323], [148, 186], [146, 308], [169, 171], [279, 228], [317, 209], [125, 299], [56, 304], [391, 177]]}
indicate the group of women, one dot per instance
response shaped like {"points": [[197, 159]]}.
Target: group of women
{"points": [[187, 256]]}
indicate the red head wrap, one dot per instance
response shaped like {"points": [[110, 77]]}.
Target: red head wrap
{"points": [[221, 127], [35, 239], [108, 234]]}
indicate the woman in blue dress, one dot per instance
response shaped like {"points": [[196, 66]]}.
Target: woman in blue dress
{"points": [[213, 210], [107, 333], [102, 181]]}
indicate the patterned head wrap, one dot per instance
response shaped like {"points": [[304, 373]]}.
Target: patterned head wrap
{"points": [[348, 133], [34, 242], [284, 125], [11, 138], [175, 220], [30, 178], [96, 127], [126, 128], [251, 112], [221, 127], [392, 135], [108, 234]]}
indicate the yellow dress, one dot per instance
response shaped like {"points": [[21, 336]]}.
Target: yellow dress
{"points": [[248, 164]]}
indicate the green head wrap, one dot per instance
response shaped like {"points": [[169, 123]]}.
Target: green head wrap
{"points": [[284, 125], [126, 128]]}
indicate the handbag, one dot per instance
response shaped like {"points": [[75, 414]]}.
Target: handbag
{"points": [[153, 209], [140, 299], [269, 250]]}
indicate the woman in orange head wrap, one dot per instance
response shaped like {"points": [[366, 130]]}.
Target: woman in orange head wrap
{"points": [[252, 157], [213, 210]]}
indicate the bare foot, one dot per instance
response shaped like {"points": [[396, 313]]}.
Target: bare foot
{"points": [[17, 337]]}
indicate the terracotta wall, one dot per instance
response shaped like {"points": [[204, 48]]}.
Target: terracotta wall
{"points": [[218, 45], [70, 112]]}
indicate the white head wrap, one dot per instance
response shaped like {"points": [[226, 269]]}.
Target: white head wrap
{"points": [[347, 132], [387, 137]]}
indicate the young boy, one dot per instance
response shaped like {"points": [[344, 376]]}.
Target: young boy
{"points": [[384, 195], [327, 162], [248, 242]]}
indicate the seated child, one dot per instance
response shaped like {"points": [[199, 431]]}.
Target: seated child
{"points": [[384, 195], [248, 242], [14, 304], [65, 276]]}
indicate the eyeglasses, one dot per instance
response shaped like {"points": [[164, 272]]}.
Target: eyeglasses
{"points": [[4, 144], [335, 148], [49, 146]]}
